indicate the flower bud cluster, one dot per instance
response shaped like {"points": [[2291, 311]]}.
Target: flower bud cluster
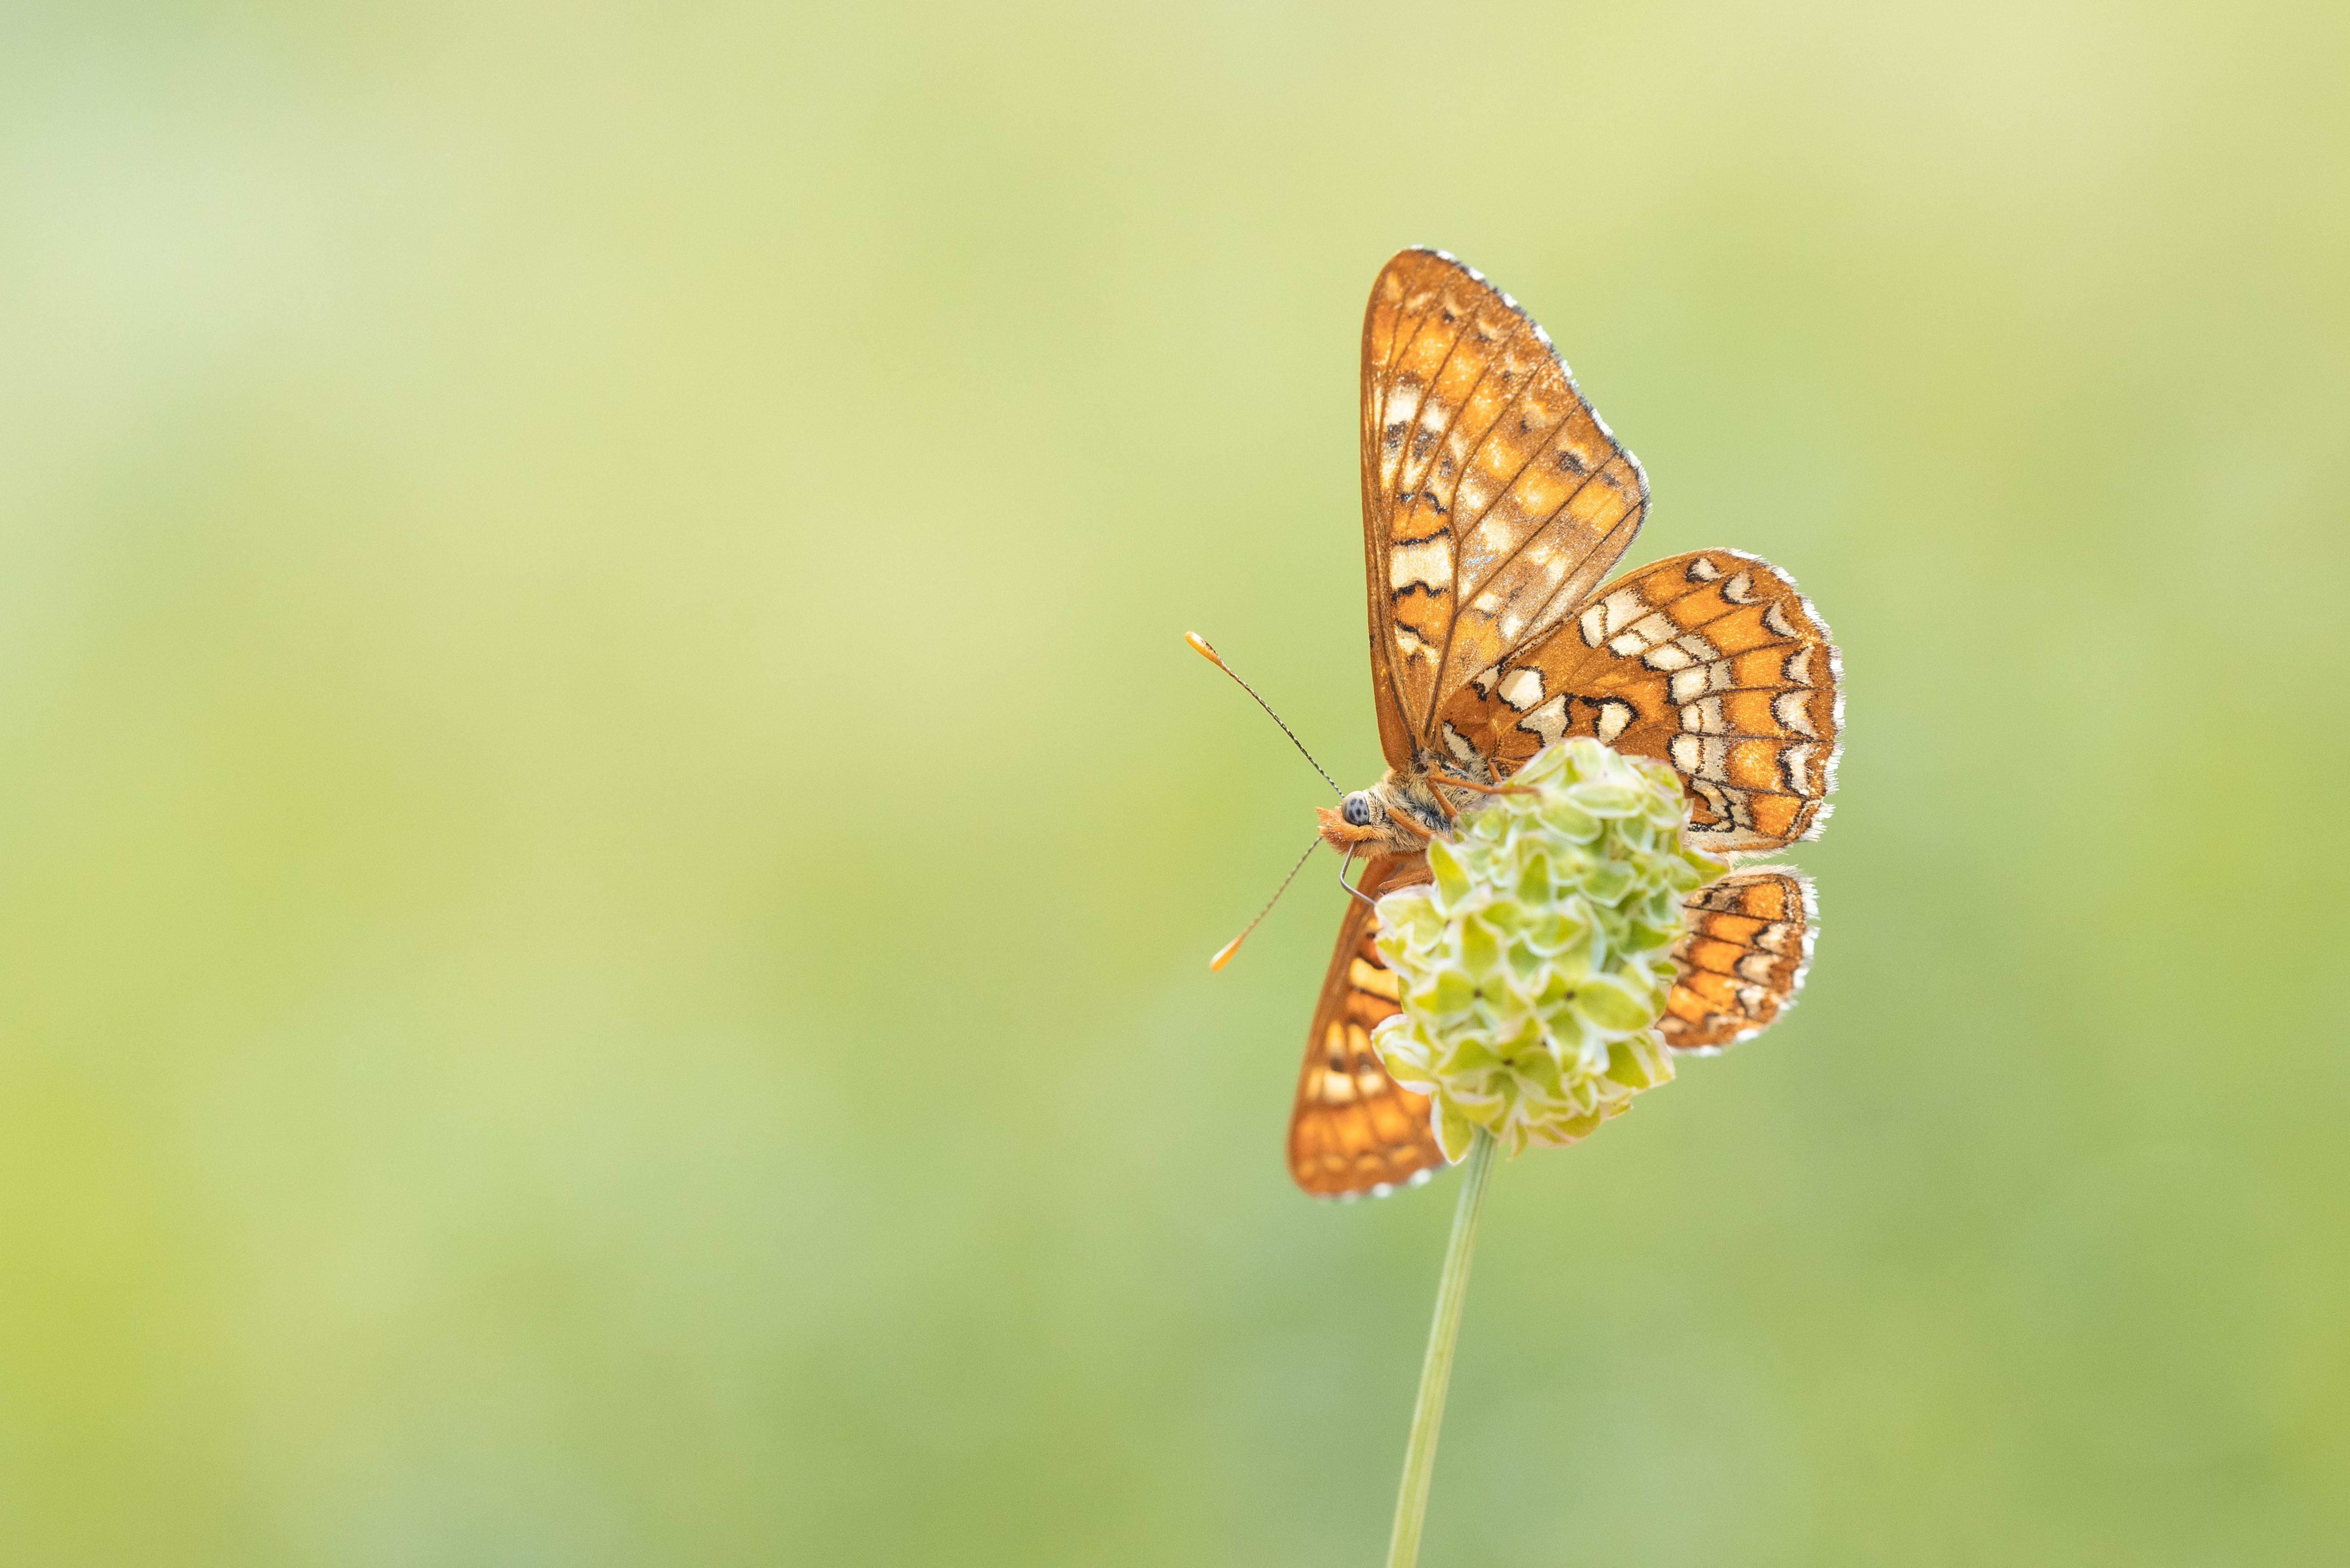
{"points": [[1534, 966]]}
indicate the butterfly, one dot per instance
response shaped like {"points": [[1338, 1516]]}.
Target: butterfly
{"points": [[1495, 501]]}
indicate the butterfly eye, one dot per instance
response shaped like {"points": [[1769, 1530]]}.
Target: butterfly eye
{"points": [[1357, 810]]}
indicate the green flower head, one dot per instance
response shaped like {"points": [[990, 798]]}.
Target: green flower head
{"points": [[1535, 965]]}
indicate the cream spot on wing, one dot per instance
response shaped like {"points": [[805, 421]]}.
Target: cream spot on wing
{"points": [[1483, 679], [1549, 561], [1427, 561], [1739, 589], [1620, 610], [1549, 721], [1702, 570], [1522, 688], [1732, 814], [1645, 633], [1757, 966], [1685, 752], [1669, 656], [1687, 684], [1795, 762], [1593, 624], [1794, 709], [1698, 645], [1776, 619], [1614, 716], [1458, 745], [1798, 670], [1704, 717]]}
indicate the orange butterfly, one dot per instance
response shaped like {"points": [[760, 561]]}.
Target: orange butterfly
{"points": [[1494, 500]]}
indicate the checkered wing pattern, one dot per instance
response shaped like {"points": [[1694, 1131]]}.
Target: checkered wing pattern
{"points": [[1713, 662], [1353, 1129], [1742, 958], [1493, 498]]}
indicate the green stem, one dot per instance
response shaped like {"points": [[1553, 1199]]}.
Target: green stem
{"points": [[1428, 1414]]}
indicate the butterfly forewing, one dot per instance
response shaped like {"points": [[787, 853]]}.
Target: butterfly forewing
{"points": [[1742, 959], [1493, 498], [1354, 1129], [1713, 662]]}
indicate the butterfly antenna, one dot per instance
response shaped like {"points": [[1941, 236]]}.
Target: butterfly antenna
{"points": [[1224, 954], [1212, 657]]}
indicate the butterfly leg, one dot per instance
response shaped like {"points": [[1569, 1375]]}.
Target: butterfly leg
{"points": [[1451, 782], [1403, 819]]}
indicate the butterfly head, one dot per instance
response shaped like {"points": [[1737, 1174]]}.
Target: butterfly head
{"points": [[1351, 823], [1378, 821]]}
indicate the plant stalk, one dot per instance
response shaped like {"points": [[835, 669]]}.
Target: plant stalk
{"points": [[1436, 1370]]}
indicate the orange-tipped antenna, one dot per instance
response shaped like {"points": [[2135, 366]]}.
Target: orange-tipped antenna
{"points": [[1200, 644], [1224, 954]]}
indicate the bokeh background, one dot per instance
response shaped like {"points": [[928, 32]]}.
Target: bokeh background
{"points": [[608, 843]]}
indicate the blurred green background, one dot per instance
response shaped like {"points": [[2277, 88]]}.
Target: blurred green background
{"points": [[608, 844]]}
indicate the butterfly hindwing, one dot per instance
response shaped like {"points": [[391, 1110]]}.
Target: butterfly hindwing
{"points": [[1742, 958], [1713, 661], [1353, 1129], [1493, 497]]}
